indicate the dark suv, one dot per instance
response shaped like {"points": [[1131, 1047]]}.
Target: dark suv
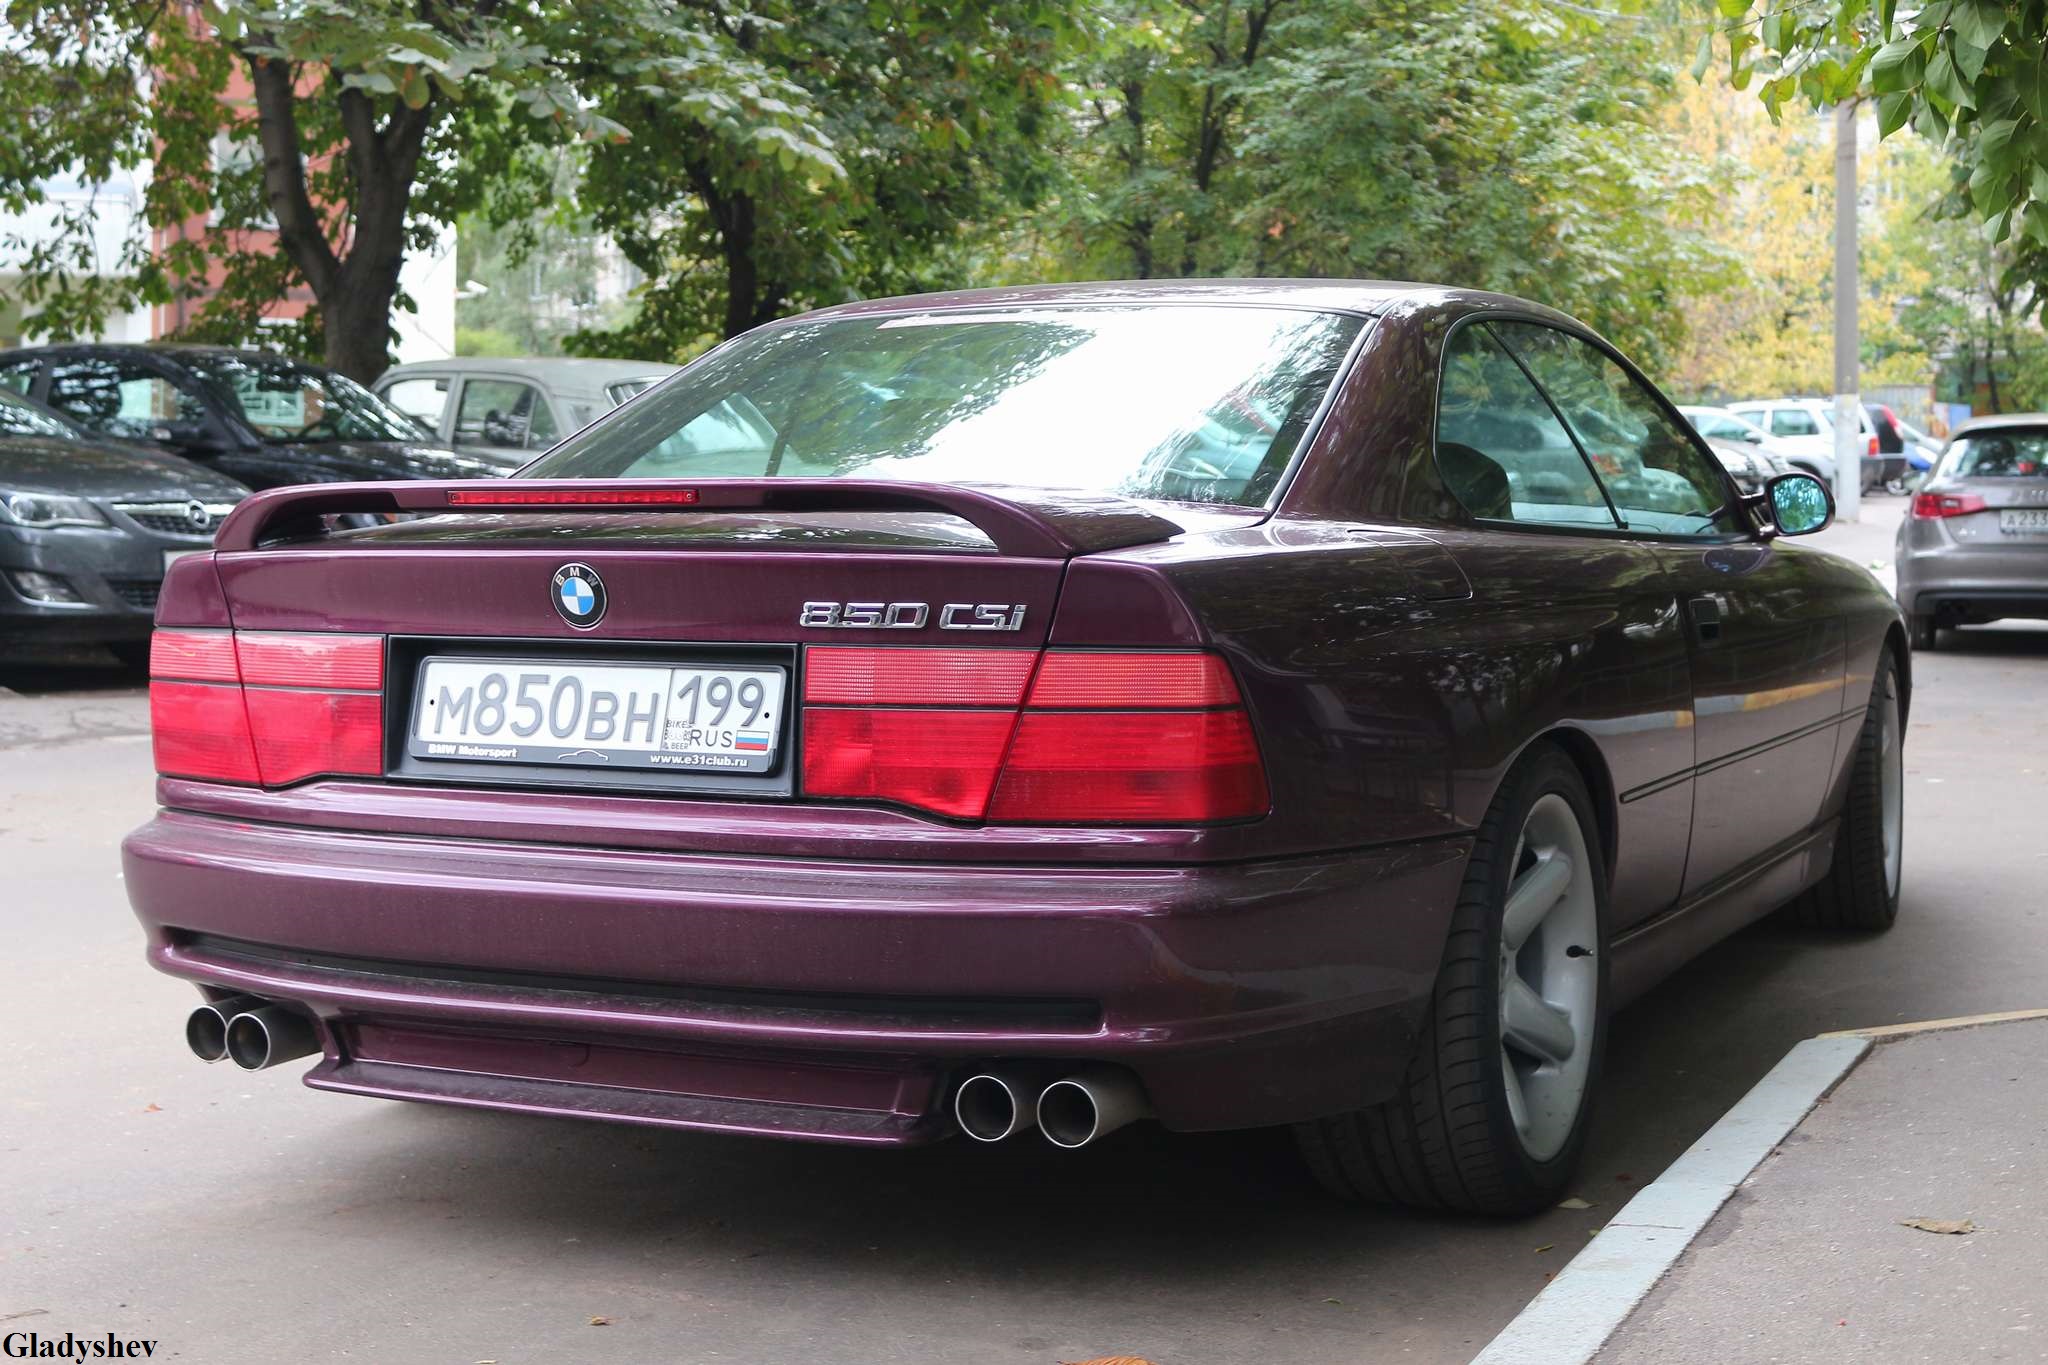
{"points": [[264, 419]]}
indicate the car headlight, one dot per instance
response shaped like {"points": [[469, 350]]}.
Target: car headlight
{"points": [[45, 510]]}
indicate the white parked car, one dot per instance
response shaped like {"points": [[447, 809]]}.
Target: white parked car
{"points": [[1807, 426], [518, 407]]}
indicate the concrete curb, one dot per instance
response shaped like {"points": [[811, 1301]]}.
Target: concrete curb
{"points": [[1577, 1312]]}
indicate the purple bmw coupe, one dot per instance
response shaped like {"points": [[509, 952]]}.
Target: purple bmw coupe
{"points": [[1227, 703]]}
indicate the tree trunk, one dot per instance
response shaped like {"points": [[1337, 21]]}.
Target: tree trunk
{"points": [[354, 292]]}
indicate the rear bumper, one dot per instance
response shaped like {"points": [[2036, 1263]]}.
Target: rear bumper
{"points": [[832, 1000], [1973, 582]]}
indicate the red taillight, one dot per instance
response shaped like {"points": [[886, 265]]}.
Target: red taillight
{"points": [[1103, 679], [1932, 506], [279, 659], [201, 730], [1873, 447], [266, 707], [1144, 767], [1105, 737], [302, 734], [942, 761]]}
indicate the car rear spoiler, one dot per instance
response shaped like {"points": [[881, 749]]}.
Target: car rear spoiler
{"points": [[1022, 523]]}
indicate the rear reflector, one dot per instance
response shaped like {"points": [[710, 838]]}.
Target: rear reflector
{"points": [[1106, 737], [917, 677], [943, 761], [1931, 506], [266, 707], [573, 497]]}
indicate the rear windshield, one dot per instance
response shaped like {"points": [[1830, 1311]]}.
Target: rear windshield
{"points": [[1998, 455], [1187, 403]]}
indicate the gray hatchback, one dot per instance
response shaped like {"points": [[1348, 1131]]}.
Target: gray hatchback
{"points": [[1974, 547]]}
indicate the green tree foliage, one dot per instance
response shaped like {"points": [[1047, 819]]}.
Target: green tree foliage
{"points": [[939, 109], [372, 123], [1966, 74], [1513, 146]]}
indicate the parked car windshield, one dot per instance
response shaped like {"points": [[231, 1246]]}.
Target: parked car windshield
{"points": [[1187, 403], [19, 417], [287, 401], [1998, 455]]}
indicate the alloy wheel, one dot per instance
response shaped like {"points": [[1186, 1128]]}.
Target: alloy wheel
{"points": [[1549, 980]]}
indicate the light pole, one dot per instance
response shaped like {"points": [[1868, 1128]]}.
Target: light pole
{"points": [[1849, 438]]}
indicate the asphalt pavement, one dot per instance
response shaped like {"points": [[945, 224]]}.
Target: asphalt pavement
{"points": [[237, 1217]]}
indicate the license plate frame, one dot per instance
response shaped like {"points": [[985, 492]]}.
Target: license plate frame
{"points": [[2023, 521], [617, 716], [406, 673]]}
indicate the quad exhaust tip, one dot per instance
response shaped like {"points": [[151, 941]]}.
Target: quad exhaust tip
{"points": [[993, 1105], [1076, 1110]]}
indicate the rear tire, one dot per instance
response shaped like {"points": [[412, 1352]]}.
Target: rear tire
{"points": [[1492, 1111], [1926, 632], [1861, 889]]}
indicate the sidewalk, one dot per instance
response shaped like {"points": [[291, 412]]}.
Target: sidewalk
{"points": [[1810, 1257]]}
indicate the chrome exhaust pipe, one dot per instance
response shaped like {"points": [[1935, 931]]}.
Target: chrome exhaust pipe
{"points": [[992, 1105], [270, 1036], [206, 1028], [1076, 1110]]}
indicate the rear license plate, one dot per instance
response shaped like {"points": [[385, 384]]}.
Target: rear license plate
{"points": [[638, 716], [2023, 521]]}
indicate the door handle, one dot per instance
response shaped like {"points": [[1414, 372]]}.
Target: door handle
{"points": [[1706, 619]]}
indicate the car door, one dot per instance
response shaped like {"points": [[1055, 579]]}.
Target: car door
{"points": [[1766, 635], [1583, 607], [508, 418]]}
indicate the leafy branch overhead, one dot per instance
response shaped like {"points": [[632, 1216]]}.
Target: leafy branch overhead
{"points": [[357, 140], [1966, 74]]}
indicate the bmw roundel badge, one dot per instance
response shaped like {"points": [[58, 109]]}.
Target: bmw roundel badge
{"points": [[579, 595]]}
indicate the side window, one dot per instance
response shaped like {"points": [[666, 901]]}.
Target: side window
{"points": [[423, 399], [119, 397], [1659, 478], [1793, 422], [19, 376], [1500, 448], [504, 412]]}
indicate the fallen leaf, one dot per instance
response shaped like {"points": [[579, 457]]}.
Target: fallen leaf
{"points": [[1954, 1227], [1110, 1360], [1545, 1247], [1575, 1203], [154, 1109], [600, 1322]]}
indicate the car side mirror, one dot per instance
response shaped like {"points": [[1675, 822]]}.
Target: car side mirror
{"points": [[1800, 504], [1755, 438]]}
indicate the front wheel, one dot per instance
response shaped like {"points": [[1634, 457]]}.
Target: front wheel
{"points": [[1492, 1111]]}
